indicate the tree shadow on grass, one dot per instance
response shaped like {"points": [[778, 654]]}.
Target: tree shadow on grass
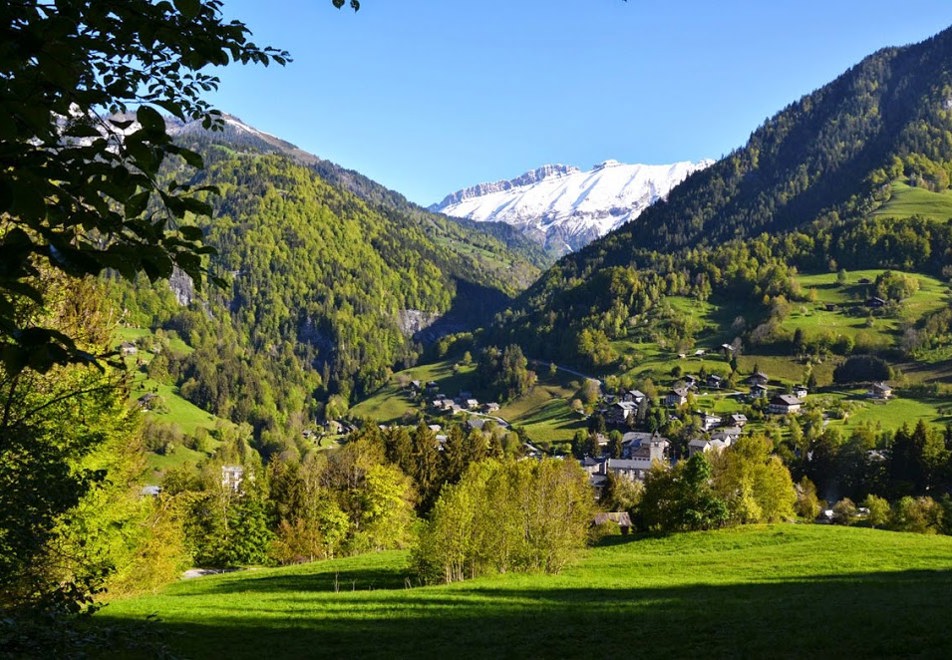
{"points": [[329, 580], [847, 615]]}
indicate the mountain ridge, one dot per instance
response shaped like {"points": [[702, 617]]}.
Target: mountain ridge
{"points": [[562, 207]]}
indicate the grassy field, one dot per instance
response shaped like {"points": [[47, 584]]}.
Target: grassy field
{"points": [[907, 201], [391, 402], [175, 409], [778, 591], [849, 317], [545, 412]]}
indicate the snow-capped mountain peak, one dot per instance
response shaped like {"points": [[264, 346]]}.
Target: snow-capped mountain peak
{"points": [[565, 208]]}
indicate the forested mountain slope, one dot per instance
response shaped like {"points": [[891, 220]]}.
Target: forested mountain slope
{"points": [[810, 191], [823, 156], [327, 291]]}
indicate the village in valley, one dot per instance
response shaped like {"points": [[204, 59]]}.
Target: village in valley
{"points": [[621, 433]]}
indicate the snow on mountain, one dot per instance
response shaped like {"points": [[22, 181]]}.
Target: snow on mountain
{"points": [[565, 208]]}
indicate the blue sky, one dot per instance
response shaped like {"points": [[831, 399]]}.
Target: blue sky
{"points": [[429, 96]]}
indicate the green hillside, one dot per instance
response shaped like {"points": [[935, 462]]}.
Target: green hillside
{"points": [[790, 590], [327, 291], [853, 176], [906, 201]]}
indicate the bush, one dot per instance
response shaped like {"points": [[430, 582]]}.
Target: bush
{"points": [[917, 514], [861, 368], [844, 512], [878, 511]]}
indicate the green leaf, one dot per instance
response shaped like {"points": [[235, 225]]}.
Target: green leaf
{"points": [[191, 233], [150, 119], [188, 8], [136, 204], [82, 130], [122, 124], [191, 157]]}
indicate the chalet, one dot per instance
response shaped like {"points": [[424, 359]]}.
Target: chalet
{"points": [[128, 348], [728, 349], [757, 378], [728, 434], [703, 445], [231, 477], [634, 396], [714, 381], [738, 419], [875, 302], [690, 381], [864, 280], [620, 518], [333, 427], [471, 404], [150, 491], [758, 392], [491, 407], [416, 386], [800, 391], [476, 423], [880, 391], [699, 352], [708, 420], [147, 400], [784, 404], [830, 307], [432, 386], [627, 469], [645, 446], [676, 397], [620, 412]]}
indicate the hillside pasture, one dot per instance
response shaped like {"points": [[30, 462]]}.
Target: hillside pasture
{"points": [[906, 201], [770, 591], [850, 317], [392, 402], [545, 412]]}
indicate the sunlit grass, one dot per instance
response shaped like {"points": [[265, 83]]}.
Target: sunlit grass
{"points": [[760, 591], [907, 201]]}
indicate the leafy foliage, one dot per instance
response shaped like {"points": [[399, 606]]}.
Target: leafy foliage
{"points": [[59, 433], [75, 189], [506, 516]]}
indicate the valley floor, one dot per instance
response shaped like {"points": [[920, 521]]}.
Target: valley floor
{"points": [[777, 591]]}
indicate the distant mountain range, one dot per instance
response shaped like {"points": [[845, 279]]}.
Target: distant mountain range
{"points": [[564, 208]]}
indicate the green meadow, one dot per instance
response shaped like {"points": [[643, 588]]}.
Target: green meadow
{"points": [[849, 317], [907, 201], [392, 402], [174, 409], [770, 591], [545, 412]]}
